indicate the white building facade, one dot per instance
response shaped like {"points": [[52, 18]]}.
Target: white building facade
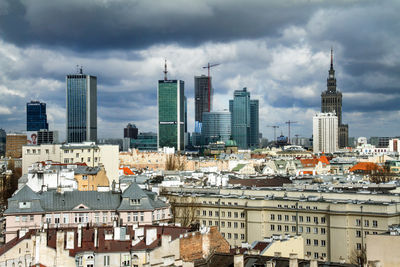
{"points": [[325, 133]]}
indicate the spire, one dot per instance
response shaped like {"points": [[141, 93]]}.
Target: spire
{"points": [[165, 71], [331, 58]]}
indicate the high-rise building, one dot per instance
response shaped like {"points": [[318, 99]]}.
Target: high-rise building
{"points": [[202, 99], [131, 131], [81, 108], [216, 126], [14, 144], [245, 121], [36, 117], [171, 114], [47, 137], [325, 133], [3, 137], [331, 101]]}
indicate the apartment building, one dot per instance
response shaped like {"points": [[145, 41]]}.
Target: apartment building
{"points": [[88, 152], [333, 224]]}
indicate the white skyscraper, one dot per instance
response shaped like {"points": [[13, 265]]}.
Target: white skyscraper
{"points": [[325, 133]]}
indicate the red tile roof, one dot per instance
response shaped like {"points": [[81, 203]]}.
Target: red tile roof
{"points": [[366, 167], [127, 171]]}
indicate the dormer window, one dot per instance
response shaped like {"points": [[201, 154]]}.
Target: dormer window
{"points": [[84, 177], [24, 205], [135, 202]]}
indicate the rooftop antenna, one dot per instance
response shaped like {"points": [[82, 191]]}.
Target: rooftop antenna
{"points": [[331, 57], [165, 71], [81, 70]]}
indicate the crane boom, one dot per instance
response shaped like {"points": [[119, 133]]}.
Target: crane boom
{"points": [[289, 122]]}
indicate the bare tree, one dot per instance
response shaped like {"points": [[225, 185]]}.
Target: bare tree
{"points": [[358, 257], [184, 210], [382, 175], [175, 162]]}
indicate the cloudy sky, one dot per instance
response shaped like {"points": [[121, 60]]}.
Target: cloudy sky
{"points": [[279, 50]]}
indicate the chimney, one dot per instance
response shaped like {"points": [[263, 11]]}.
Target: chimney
{"points": [[79, 236], [277, 254], [238, 260], [165, 240], [293, 260], [95, 238]]}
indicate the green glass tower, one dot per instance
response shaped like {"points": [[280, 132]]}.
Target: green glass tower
{"points": [[171, 114]]}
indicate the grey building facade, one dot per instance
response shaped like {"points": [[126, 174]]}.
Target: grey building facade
{"points": [[245, 120], [216, 127], [81, 108], [331, 101]]}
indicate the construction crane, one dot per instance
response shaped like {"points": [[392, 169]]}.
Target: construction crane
{"points": [[289, 123], [275, 127], [209, 65]]}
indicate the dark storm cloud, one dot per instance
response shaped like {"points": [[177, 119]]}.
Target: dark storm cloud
{"points": [[92, 25]]}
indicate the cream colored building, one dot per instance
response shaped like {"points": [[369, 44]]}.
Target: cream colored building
{"points": [[332, 224], [383, 249], [90, 153]]}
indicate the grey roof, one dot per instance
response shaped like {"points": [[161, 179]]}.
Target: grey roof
{"points": [[86, 170], [50, 201]]}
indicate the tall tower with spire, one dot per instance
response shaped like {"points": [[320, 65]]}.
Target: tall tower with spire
{"points": [[331, 101]]}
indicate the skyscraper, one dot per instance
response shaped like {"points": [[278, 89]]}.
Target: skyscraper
{"points": [[216, 126], [244, 119], [131, 131], [325, 133], [36, 117], [81, 108], [171, 114], [331, 101], [201, 99]]}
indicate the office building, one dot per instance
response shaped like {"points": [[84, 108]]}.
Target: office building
{"points": [[325, 133], [47, 137], [14, 143], [81, 108], [131, 131], [202, 99], [331, 101], [216, 126], [145, 142], [171, 114], [244, 120], [36, 117], [3, 138]]}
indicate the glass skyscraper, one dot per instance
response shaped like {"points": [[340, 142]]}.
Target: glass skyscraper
{"points": [[171, 114], [81, 108], [244, 119], [201, 99], [216, 126], [36, 117]]}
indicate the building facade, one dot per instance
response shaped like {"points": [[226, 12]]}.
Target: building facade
{"points": [[171, 114], [14, 143], [325, 133], [245, 121], [331, 102], [47, 137], [81, 108], [131, 131], [333, 224], [216, 127], [203, 99], [3, 139], [36, 116]]}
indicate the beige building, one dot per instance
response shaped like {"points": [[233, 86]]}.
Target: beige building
{"points": [[90, 153], [332, 224], [383, 250], [14, 143]]}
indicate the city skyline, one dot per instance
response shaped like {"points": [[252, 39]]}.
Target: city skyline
{"points": [[282, 59]]}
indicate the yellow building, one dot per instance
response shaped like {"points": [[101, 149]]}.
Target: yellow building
{"points": [[333, 224], [89, 178]]}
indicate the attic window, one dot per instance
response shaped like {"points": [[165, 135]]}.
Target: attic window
{"points": [[24, 205], [135, 201], [81, 207]]}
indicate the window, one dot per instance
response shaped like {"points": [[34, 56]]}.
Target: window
{"points": [[229, 214], [236, 214], [293, 228], [223, 214], [315, 230], [229, 224], [316, 220], [84, 177], [242, 236], [31, 218], [24, 218], [104, 217], [315, 255], [323, 219], [204, 223], [366, 233], [242, 215], [300, 229], [308, 230], [65, 218], [242, 225], [209, 223], [308, 253], [229, 235], [272, 227], [272, 217], [204, 213], [57, 218], [235, 236], [77, 155], [222, 224], [323, 243], [308, 219], [293, 218], [88, 159], [374, 233], [301, 218], [223, 235], [279, 217], [323, 231], [366, 223], [48, 218], [210, 213], [216, 223], [286, 217], [216, 214], [308, 242], [235, 225], [279, 227], [358, 233], [358, 246], [375, 223], [358, 222], [315, 242]]}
